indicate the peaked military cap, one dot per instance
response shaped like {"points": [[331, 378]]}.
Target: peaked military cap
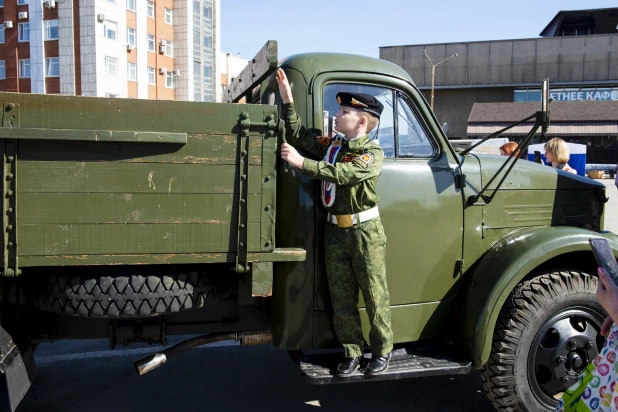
{"points": [[361, 101]]}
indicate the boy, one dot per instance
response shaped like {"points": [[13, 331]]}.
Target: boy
{"points": [[354, 237]]}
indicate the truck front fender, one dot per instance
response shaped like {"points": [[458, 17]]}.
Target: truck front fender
{"points": [[509, 261]]}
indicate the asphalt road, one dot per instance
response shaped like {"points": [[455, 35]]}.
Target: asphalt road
{"points": [[85, 376]]}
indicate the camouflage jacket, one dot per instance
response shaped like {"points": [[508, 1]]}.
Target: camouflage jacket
{"points": [[355, 172]]}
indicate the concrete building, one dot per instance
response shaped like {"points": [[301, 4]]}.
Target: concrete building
{"points": [[228, 67], [578, 53], [161, 49]]}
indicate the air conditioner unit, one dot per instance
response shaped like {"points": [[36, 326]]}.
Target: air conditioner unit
{"points": [[162, 47], [162, 70], [101, 17], [8, 24], [22, 14], [176, 73], [130, 47], [50, 4]]}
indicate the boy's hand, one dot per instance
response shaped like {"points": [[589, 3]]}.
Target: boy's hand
{"points": [[284, 86], [606, 326], [290, 155]]}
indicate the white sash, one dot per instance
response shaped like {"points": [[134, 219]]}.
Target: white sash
{"points": [[329, 190]]}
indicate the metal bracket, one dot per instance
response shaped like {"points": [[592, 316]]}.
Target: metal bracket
{"points": [[10, 118], [243, 184]]}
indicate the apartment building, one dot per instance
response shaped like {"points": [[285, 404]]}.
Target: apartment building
{"points": [[161, 49]]}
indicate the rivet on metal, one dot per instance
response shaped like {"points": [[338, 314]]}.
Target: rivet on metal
{"points": [[10, 244], [243, 177], [242, 200], [267, 179], [10, 227], [10, 193], [10, 210], [267, 208], [10, 175], [242, 225], [10, 158], [241, 244], [244, 153]]}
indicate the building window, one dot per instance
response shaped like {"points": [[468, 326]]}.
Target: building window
{"points": [[111, 66], [169, 79], [151, 43], [52, 67], [207, 12], [168, 16], [1, 34], [1, 3], [24, 68], [131, 37], [207, 41], [151, 9], [152, 78], [110, 28], [51, 29], [2, 70], [131, 5], [207, 73], [168, 49], [23, 31], [132, 71], [20, 2]]}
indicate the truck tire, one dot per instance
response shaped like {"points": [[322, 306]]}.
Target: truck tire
{"points": [[546, 333], [133, 295]]}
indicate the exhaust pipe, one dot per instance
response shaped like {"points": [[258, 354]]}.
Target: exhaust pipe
{"points": [[153, 361]]}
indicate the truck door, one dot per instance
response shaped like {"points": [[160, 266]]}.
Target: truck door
{"points": [[420, 207]]}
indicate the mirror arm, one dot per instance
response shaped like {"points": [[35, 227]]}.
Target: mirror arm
{"points": [[494, 134]]}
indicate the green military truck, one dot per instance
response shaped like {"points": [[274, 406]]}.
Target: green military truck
{"points": [[135, 220]]}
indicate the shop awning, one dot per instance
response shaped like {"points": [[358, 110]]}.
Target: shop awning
{"points": [[582, 118]]}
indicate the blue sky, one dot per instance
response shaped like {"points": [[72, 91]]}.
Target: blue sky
{"points": [[361, 26]]}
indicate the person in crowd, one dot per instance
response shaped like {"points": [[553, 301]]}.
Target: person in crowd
{"points": [[557, 154], [508, 148]]}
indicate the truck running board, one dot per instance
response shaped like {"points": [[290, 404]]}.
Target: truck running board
{"points": [[319, 369]]}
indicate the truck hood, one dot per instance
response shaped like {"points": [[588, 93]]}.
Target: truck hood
{"points": [[533, 176], [538, 195]]}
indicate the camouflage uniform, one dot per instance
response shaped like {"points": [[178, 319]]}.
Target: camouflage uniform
{"points": [[355, 256]]}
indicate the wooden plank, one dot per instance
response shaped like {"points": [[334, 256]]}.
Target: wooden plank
{"points": [[91, 135], [278, 255], [259, 68], [200, 149], [129, 208], [120, 239], [103, 177], [99, 113]]}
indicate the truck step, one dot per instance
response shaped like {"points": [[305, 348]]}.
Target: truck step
{"points": [[319, 369]]}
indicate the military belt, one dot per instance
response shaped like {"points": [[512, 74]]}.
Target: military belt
{"points": [[344, 221]]}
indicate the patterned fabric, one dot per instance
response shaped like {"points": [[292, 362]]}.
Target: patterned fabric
{"points": [[356, 179], [355, 260], [595, 390]]}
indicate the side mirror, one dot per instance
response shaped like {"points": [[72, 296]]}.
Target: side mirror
{"points": [[545, 104], [445, 128]]}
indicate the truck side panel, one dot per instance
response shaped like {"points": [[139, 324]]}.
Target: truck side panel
{"points": [[97, 178]]}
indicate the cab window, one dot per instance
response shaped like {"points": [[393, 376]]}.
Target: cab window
{"points": [[385, 132], [412, 139]]}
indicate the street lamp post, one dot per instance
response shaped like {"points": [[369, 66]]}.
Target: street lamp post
{"points": [[433, 72]]}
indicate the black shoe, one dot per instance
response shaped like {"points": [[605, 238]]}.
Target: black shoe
{"points": [[348, 366], [378, 364]]}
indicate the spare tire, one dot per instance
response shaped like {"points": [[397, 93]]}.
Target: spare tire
{"points": [[131, 295]]}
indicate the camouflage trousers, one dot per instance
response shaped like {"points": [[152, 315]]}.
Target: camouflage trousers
{"points": [[355, 259]]}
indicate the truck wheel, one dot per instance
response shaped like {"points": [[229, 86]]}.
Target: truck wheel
{"points": [[133, 295], [546, 334]]}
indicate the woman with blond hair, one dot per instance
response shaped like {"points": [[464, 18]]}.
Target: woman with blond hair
{"points": [[557, 154]]}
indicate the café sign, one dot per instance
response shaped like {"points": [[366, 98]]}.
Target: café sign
{"points": [[597, 94]]}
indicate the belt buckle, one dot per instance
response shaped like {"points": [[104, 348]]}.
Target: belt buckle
{"points": [[344, 221]]}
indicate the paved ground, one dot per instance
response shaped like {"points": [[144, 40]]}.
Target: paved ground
{"points": [[85, 376]]}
